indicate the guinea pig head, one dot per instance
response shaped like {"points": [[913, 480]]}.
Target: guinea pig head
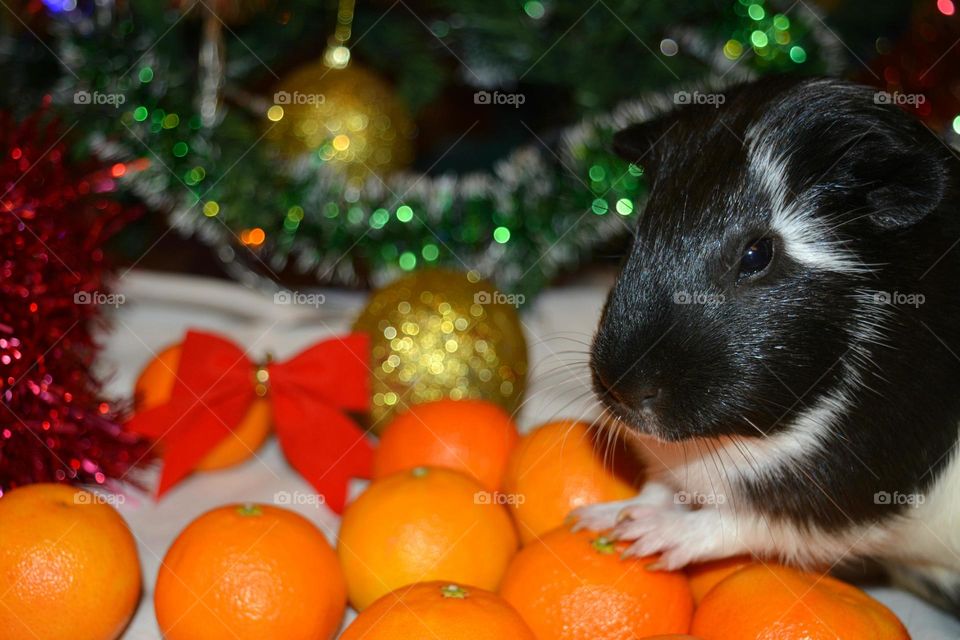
{"points": [[747, 293]]}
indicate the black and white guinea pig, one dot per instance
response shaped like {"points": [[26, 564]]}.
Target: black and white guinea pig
{"points": [[784, 336]]}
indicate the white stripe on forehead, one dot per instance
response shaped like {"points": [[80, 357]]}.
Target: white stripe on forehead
{"points": [[808, 239]]}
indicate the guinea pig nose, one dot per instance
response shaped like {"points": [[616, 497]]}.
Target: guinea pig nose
{"points": [[648, 397]]}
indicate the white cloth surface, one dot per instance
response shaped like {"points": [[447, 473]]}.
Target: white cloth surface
{"points": [[158, 309]]}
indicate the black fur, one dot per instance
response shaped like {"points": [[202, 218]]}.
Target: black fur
{"points": [[888, 188]]}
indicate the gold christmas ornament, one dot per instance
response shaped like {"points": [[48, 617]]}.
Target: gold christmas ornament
{"points": [[348, 116], [439, 334]]}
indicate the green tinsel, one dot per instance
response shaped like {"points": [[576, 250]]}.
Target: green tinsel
{"points": [[542, 209]]}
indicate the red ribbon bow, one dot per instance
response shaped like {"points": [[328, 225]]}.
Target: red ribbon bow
{"points": [[216, 383]]}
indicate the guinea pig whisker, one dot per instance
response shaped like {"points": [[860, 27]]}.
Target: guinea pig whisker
{"points": [[610, 430], [563, 336], [744, 449], [738, 470], [568, 335], [713, 459], [561, 363], [767, 403], [573, 376], [563, 374], [576, 367], [588, 433], [614, 441], [539, 393], [748, 457], [581, 356], [614, 429], [755, 427], [575, 399], [712, 455]]}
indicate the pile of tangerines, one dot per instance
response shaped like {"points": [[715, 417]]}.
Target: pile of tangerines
{"points": [[462, 534]]}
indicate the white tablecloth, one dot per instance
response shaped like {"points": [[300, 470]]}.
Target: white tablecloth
{"points": [[158, 309]]}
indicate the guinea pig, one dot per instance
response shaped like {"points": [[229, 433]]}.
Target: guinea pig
{"points": [[784, 336]]}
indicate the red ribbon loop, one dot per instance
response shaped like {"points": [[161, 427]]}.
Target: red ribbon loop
{"points": [[308, 394]]}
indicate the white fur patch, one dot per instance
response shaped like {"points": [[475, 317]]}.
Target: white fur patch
{"points": [[808, 239], [709, 474], [689, 466], [929, 532]]}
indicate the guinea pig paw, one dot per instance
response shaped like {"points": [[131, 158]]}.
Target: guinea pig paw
{"points": [[606, 515], [598, 517], [672, 560], [680, 537], [651, 531], [636, 521]]}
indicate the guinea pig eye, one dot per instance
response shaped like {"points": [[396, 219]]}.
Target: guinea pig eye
{"points": [[756, 257]]}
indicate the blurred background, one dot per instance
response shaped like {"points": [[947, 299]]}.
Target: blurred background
{"points": [[339, 144], [277, 174]]}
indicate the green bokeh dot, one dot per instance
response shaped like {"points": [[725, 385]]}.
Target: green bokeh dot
{"points": [[430, 252], [379, 218], [534, 9]]}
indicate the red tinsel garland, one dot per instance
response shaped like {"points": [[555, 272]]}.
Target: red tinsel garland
{"points": [[54, 424]]}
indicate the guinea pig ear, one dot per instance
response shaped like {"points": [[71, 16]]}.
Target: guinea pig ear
{"points": [[638, 142], [909, 186], [904, 176]]}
